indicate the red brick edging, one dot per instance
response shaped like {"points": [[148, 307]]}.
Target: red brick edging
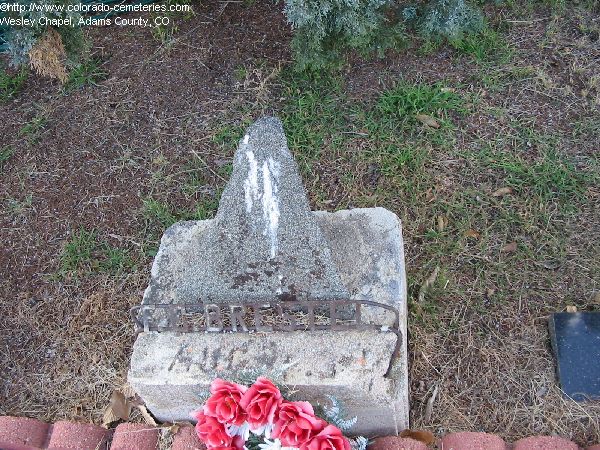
{"points": [[22, 433]]}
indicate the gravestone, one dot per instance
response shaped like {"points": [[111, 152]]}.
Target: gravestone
{"points": [[316, 300], [575, 339]]}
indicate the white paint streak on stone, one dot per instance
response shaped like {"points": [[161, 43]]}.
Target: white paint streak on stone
{"points": [[270, 202], [251, 182]]}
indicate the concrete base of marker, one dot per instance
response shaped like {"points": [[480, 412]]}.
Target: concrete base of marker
{"points": [[171, 370]]}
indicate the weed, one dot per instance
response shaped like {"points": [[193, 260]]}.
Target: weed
{"points": [[399, 107], [88, 72], [229, 135], [84, 254], [164, 32], [549, 177], [31, 129], [485, 46], [78, 251], [312, 114], [240, 73], [5, 154], [158, 212], [205, 209], [17, 207], [10, 85]]}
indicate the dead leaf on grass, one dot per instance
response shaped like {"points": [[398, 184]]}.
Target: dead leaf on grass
{"points": [[426, 437], [429, 406], [510, 248], [502, 191], [571, 309], [442, 223], [596, 298], [427, 284], [430, 195], [146, 415], [118, 408], [428, 120], [174, 429], [472, 233]]}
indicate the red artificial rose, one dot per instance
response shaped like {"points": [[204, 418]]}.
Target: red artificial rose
{"points": [[224, 403], [211, 431], [237, 444], [260, 402], [330, 438], [295, 423]]}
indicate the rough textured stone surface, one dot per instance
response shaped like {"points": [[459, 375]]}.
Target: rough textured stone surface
{"points": [[134, 436], [471, 441], [545, 443], [396, 443], [186, 439], [263, 244], [77, 436], [22, 433], [169, 370]]}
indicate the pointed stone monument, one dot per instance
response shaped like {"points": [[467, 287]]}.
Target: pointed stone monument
{"points": [[266, 258], [264, 243]]}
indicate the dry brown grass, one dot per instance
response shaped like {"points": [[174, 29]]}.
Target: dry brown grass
{"points": [[48, 56], [67, 350]]}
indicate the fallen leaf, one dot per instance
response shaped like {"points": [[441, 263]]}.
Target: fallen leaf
{"points": [[509, 248], [430, 195], [429, 406], [118, 408], [174, 429], [146, 415], [472, 233], [426, 437], [571, 309], [428, 120], [442, 223], [596, 299], [502, 191], [447, 89], [428, 283]]}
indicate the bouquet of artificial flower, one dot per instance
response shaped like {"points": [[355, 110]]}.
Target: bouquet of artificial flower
{"points": [[236, 417]]}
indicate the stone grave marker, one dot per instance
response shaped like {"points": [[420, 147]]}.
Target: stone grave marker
{"points": [[271, 288]]}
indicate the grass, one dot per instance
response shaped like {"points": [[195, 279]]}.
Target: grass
{"points": [[163, 32], [161, 215], [5, 155], [89, 72], [10, 85], [32, 128], [403, 104], [487, 46], [84, 253]]}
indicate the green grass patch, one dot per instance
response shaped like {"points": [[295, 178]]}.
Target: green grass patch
{"points": [[88, 72], [229, 135], [32, 129], [160, 215], [84, 253], [487, 46], [10, 85], [5, 155], [401, 106], [548, 177]]}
